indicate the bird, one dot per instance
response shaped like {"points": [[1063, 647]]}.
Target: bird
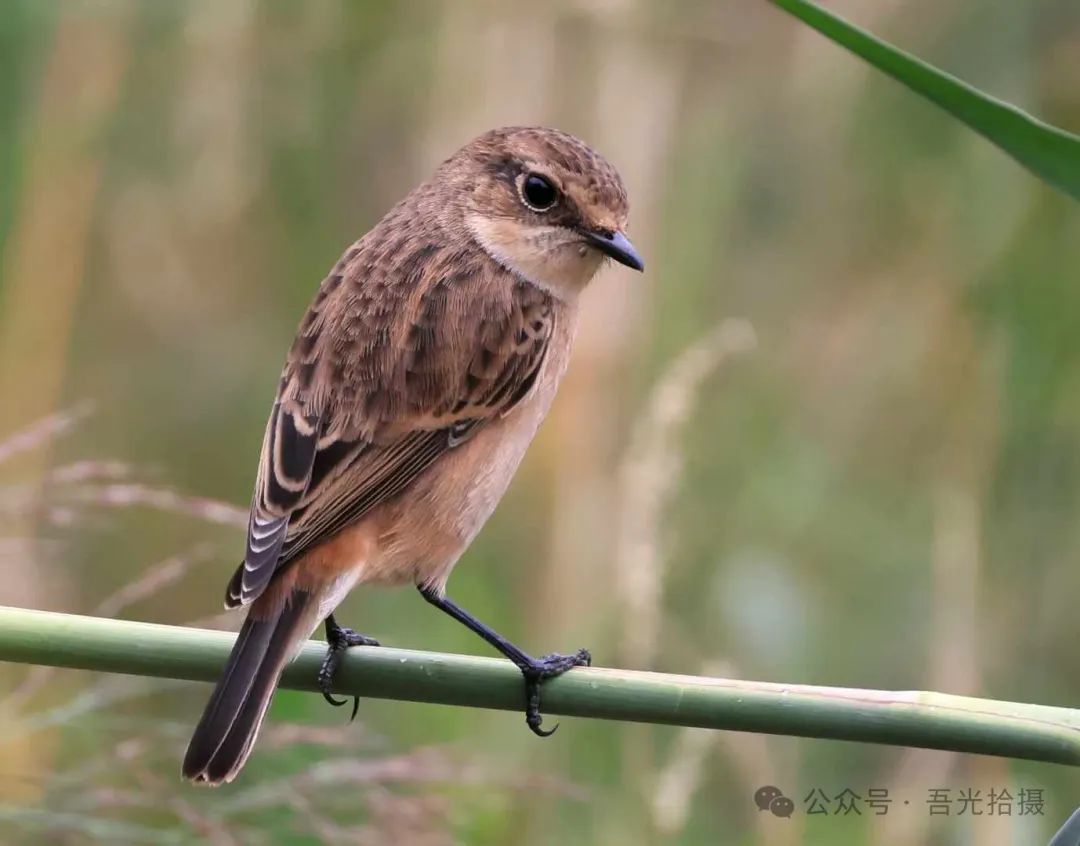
{"points": [[420, 373]]}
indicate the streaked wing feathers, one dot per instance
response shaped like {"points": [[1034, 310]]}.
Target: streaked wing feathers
{"points": [[289, 449], [377, 477], [375, 391]]}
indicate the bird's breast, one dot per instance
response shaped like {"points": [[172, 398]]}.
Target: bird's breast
{"points": [[426, 532]]}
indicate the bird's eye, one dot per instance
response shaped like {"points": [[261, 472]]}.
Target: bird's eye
{"points": [[538, 193]]}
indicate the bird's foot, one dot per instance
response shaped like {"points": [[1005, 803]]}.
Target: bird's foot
{"points": [[536, 672], [338, 640]]}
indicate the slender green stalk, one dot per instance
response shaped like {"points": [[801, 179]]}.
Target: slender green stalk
{"points": [[931, 720]]}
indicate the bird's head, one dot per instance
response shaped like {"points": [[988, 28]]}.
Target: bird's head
{"points": [[543, 204]]}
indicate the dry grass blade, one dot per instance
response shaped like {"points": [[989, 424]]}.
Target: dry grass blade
{"points": [[134, 494], [44, 430], [154, 580], [90, 471], [650, 474], [425, 765]]}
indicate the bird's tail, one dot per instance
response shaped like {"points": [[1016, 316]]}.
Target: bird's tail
{"points": [[224, 736]]}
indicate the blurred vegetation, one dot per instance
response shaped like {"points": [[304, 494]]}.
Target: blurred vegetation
{"points": [[883, 494]]}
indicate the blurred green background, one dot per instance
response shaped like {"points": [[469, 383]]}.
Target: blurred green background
{"points": [[884, 492]]}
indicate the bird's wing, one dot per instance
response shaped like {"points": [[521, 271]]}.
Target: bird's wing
{"points": [[375, 390]]}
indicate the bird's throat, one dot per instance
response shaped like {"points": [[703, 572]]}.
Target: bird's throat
{"points": [[551, 258]]}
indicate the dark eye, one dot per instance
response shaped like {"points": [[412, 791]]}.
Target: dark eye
{"points": [[538, 193]]}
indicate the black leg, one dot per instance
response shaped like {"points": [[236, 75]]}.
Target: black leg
{"points": [[339, 639], [534, 670]]}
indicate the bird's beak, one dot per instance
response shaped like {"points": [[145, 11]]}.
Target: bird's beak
{"points": [[616, 245]]}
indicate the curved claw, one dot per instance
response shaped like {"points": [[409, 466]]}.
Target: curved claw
{"points": [[547, 667], [339, 640], [337, 703], [539, 732], [533, 718]]}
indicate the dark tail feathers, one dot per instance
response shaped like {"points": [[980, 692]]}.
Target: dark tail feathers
{"points": [[224, 736]]}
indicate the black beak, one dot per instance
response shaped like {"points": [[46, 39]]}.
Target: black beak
{"points": [[617, 246]]}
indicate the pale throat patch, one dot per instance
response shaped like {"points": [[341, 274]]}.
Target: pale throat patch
{"points": [[550, 257]]}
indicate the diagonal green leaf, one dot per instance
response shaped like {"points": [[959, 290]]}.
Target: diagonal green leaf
{"points": [[1051, 153]]}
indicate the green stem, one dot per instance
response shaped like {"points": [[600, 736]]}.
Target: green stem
{"points": [[931, 720]]}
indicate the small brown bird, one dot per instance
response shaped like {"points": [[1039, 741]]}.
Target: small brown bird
{"points": [[420, 374]]}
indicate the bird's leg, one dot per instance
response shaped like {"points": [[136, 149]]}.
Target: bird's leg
{"points": [[339, 639], [534, 670]]}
